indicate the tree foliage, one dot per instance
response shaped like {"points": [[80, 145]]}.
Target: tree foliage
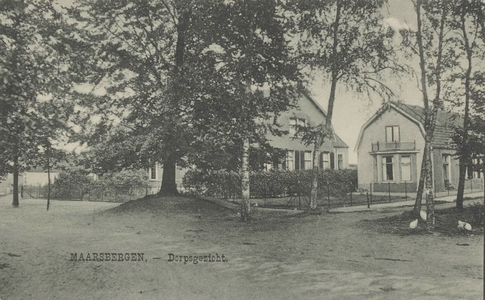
{"points": [[34, 64], [347, 42]]}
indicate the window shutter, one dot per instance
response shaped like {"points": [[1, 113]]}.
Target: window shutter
{"points": [[321, 160], [302, 160], [283, 165], [297, 160], [332, 161]]}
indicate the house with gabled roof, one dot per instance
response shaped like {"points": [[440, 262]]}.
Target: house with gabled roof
{"points": [[298, 156], [390, 150]]}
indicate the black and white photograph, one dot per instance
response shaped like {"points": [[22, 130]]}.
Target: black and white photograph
{"points": [[242, 149]]}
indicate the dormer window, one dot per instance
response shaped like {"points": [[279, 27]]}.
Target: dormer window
{"points": [[392, 134]]}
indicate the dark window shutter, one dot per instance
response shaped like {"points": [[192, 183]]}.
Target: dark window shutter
{"points": [[283, 165], [332, 161], [321, 160], [302, 160], [297, 160]]}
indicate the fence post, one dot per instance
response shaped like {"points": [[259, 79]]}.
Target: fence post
{"points": [[370, 189], [405, 191], [471, 185], [328, 194], [350, 198], [389, 190], [368, 204]]}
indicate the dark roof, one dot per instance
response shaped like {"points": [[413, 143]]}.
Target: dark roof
{"points": [[445, 123], [339, 143]]}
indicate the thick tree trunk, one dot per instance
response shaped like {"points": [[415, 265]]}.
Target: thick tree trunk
{"points": [[246, 200], [15, 202], [169, 186], [316, 165]]}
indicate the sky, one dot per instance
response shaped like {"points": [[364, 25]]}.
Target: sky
{"points": [[351, 110]]}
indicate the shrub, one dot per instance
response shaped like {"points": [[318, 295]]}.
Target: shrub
{"points": [[270, 184], [77, 184], [71, 185]]}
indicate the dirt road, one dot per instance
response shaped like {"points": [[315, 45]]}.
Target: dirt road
{"points": [[328, 256]]}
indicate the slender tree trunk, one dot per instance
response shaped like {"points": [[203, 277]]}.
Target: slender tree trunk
{"points": [[424, 89], [335, 68], [169, 186], [461, 183], [422, 177], [430, 220], [465, 159], [246, 200], [316, 166], [48, 179], [319, 140], [430, 114], [483, 173], [15, 202]]}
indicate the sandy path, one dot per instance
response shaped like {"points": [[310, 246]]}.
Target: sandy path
{"points": [[331, 256]]}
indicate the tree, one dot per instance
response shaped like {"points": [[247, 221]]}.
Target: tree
{"points": [[429, 44], [347, 42], [33, 67], [144, 54], [251, 77], [467, 21]]}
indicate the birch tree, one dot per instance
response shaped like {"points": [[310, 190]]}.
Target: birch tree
{"points": [[254, 77], [468, 25], [348, 42], [429, 44]]}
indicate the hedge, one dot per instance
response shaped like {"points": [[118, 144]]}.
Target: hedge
{"points": [[270, 184], [76, 185]]}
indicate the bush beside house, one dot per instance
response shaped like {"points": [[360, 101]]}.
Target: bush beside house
{"points": [[269, 184]]}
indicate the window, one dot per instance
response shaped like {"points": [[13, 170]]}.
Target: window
{"points": [[295, 123], [392, 134], [153, 171], [375, 170], [289, 161], [340, 161], [387, 168], [267, 166], [308, 160], [477, 168], [325, 161], [292, 126], [446, 168], [405, 168], [473, 169]]}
